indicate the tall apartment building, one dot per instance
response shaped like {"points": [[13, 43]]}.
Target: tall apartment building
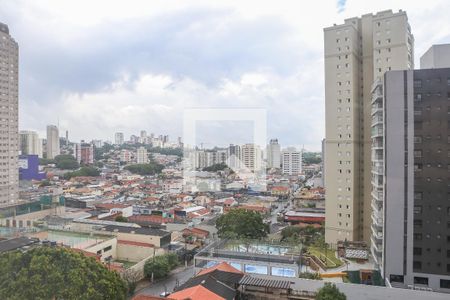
{"points": [[291, 160], [273, 154], [251, 157], [356, 54], [438, 56], [411, 178], [234, 156], [30, 143], [141, 155], [9, 99], [118, 138], [83, 153], [53, 148]]}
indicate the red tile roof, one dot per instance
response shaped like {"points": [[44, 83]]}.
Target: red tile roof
{"points": [[195, 231], [223, 266], [197, 292], [132, 243], [150, 219], [147, 297], [110, 205]]}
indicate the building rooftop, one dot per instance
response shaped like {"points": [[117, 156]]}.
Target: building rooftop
{"points": [[16, 243], [4, 28], [144, 231]]}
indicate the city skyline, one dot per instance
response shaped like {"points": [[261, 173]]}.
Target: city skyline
{"points": [[129, 78]]}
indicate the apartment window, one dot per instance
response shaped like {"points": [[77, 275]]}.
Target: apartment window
{"points": [[417, 209], [418, 153], [417, 236], [338, 40], [388, 41], [444, 284], [421, 280], [107, 248], [417, 139], [417, 83], [418, 196], [418, 97], [417, 266], [396, 278], [417, 251]]}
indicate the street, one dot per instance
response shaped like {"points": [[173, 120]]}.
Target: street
{"points": [[169, 283]]}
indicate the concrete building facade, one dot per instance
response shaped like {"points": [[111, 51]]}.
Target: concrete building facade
{"points": [[30, 143], [53, 148], [9, 133], [411, 164], [141, 155], [274, 154], [251, 157], [291, 160], [118, 138], [356, 54], [438, 56]]}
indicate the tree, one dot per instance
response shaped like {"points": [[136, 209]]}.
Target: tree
{"points": [[330, 292], [57, 273], [312, 157], [44, 183], [121, 219], [45, 161], [83, 171], [239, 223], [216, 167], [145, 169], [131, 277], [66, 162], [160, 266]]}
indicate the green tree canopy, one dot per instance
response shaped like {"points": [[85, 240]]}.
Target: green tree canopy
{"points": [[145, 169], [57, 273], [66, 162], [83, 171], [216, 167], [308, 235], [312, 157], [121, 219], [239, 223], [160, 266], [330, 292]]}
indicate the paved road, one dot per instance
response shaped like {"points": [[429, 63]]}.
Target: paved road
{"points": [[169, 283]]}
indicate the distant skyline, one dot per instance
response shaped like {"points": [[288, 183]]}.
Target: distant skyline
{"points": [[101, 67]]}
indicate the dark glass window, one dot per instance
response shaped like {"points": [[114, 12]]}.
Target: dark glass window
{"points": [[421, 280]]}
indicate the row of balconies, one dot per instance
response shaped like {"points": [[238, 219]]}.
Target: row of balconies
{"points": [[377, 195]]}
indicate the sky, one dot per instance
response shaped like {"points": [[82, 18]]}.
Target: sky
{"points": [[99, 67]]}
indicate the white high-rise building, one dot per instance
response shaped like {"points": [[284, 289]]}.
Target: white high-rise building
{"points": [[438, 56], [142, 156], [274, 154], [234, 156], [30, 143], [9, 135], [356, 54], [251, 157], [118, 138], [53, 148], [291, 160], [143, 137]]}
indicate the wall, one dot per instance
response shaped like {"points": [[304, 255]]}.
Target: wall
{"points": [[27, 219], [99, 249]]}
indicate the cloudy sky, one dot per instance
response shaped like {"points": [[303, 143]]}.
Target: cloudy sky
{"points": [[106, 66]]}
